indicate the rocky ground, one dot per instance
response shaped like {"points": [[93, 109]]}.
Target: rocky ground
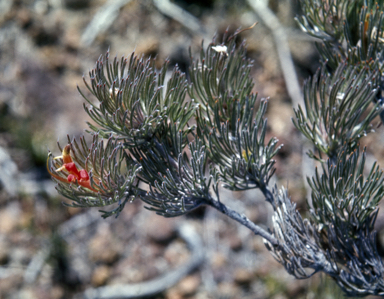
{"points": [[51, 251]]}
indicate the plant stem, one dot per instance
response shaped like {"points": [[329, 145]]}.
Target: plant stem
{"points": [[243, 220], [268, 196]]}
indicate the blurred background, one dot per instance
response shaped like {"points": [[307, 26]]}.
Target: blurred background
{"points": [[51, 251]]}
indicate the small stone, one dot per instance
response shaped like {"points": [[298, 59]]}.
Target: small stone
{"points": [[100, 275], [218, 260], [160, 229], [173, 293], [258, 245], [188, 286], [71, 40], [235, 243], [253, 214], [10, 217], [176, 253], [243, 276], [98, 252], [228, 290], [57, 292], [103, 248]]}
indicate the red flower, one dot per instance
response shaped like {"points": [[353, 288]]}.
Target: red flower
{"points": [[74, 175]]}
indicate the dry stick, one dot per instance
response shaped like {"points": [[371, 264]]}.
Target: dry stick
{"points": [[180, 15], [102, 20], [66, 231], [36, 265], [211, 245], [145, 289], [272, 22], [157, 285]]}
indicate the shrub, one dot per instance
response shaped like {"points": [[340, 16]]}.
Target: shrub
{"points": [[170, 144]]}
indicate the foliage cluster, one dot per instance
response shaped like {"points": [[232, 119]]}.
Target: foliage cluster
{"points": [[170, 143]]}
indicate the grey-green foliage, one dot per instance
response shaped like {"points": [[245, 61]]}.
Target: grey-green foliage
{"points": [[343, 196], [341, 102], [176, 139], [135, 103], [350, 29], [339, 239], [338, 108], [178, 190], [227, 121], [350, 257], [172, 144]]}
